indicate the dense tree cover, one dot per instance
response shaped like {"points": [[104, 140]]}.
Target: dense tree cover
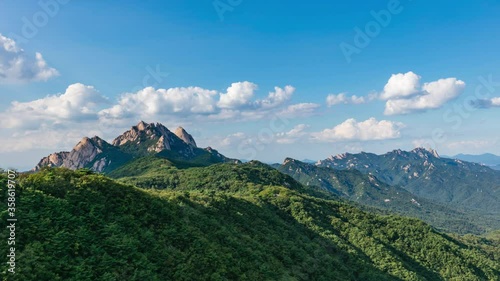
{"points": [[153, 172], [367, 190], [223, 222]]}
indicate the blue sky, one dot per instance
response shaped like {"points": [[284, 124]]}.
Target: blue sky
{"points": [[105, 50]]}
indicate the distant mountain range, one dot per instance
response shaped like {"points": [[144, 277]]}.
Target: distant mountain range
{"points": [[368, 190], [141, 140], [488, 159], [451, 194], [424, 173]]}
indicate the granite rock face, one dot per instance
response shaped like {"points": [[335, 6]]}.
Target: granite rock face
{"points": [[184, 136], [84, 153], [140, 140], [53, 160]]}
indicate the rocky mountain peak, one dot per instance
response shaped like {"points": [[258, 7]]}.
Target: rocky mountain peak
{"points": [[184, 136], [288, 160], [86, 142], [142, 126], [142, 131], [425, 152], [140, 140], [339, 156], [53, 160], [85, 152]]}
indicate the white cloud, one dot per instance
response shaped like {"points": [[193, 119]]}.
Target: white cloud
{"points": [[42, 138], [486, 103], [495, 101], [342, 98], [196, 103], [277, 98], [149, 102], [78, 102], [370, 129], [293, 135], [190, 104], [433, 95], [401, 85], [299, 110], [238, 94], [81, 110], [16, 66]]}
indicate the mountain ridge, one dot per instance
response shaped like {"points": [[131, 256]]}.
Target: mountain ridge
{"points": [[424, 173], [368, 190], [140, 140]]}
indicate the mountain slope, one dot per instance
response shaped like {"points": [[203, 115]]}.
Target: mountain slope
{"points": [[81, 226], [94, 153], [425, 174], [140, 141], [369, 191]]}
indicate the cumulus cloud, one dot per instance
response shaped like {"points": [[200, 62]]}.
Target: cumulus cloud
{"points": [[342, 98], [192, 104], [431, 95], [17, 67], [237, 95], [277, 98], [43, 138], [293, 135], [401, 85], [150, 102], [299, 110], [370, 129], [78, 102], [486, 103]]}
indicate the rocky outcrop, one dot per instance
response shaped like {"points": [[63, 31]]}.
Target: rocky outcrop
{"points": [[85, 152], [140, 140], [53, 160], [184, 136], [221, 157], [101, 164], [136, 133], [160, 145], [146, 138], [155, 137], [426, 152]]}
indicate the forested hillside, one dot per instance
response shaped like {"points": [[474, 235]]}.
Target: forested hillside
{"points": [[223, 222], [367, 190]]}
